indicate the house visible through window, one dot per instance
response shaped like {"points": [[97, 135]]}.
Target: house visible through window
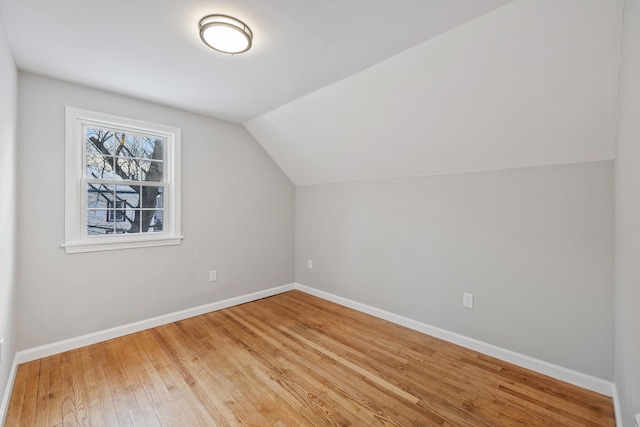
{"points": [[122, 183]]}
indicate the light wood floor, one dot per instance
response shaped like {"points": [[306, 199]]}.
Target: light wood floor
{"points": [[291, 360]]}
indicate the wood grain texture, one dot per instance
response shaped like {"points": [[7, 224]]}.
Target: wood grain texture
{"points": [[291, 360]]}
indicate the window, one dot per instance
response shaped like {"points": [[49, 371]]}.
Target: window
{"points": [[122, 183]]}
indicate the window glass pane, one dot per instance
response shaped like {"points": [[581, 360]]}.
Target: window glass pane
{"points": [[128, 168], [99, 166], [160, 198], [140, 146], [100, 141], [128, 224], [154, 219], [152, 171], [99, 196], [129, 194], [98, 223]]}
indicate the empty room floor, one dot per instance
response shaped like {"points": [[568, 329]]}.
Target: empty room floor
{"points": [[291, 360]]}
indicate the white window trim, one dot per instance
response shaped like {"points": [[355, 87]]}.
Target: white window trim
{"points": [[75, 236]]}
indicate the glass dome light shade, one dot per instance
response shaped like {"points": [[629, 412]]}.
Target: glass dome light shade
{"points": [[225, 34]]}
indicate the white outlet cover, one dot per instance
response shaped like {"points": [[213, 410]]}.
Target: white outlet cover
{"points": [[213, 275], [309, 264], [467, 300]]}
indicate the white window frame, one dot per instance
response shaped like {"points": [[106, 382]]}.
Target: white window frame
{"points": [[76, 236]]}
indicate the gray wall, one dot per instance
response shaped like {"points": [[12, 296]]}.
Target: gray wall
{"points": [[8, 144], [627, 207], [237, 218], [535, 247]]}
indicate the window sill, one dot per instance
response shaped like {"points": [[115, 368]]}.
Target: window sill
{"points": [[80, 247]]}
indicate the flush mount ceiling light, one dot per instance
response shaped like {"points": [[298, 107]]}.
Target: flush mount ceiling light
{"points": [[225, 34]]}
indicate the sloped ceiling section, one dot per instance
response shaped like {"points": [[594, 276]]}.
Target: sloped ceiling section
{"points": [[532, 83]]}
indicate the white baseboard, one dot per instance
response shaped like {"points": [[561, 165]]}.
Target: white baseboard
{"points": [[617, 410], [4, 407], [573, 377], [96, 337]]}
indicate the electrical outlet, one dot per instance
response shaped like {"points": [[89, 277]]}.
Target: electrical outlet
{"points": [[213, 275], [309, 264], [467, 300], [1, 350]]}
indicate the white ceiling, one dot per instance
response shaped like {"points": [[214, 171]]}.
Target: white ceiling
{"points": [[335, 91], [152, 50]]}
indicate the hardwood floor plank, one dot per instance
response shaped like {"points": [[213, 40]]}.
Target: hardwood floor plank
{"points": [[156, 386], [191, 412], [105, 404], [54, 413], [119, 388], [291, 360], [145, 413], [68, 397], [16, 403], [44, 385], [148, 391], [84, 368], [80, 388]]}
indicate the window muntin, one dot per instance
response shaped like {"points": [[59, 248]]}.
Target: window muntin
{"points": [[122, 183]]}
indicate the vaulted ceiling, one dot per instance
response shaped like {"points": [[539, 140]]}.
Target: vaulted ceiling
{"points": [[340, 90]]}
